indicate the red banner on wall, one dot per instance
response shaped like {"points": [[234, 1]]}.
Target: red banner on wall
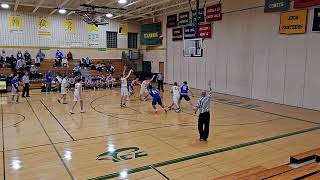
{"points": [[205, 31], [305, 3], [213, 13]]}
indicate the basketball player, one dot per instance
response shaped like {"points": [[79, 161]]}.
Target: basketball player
{"points": [[175, 97], [156, 98], [124, 86], [131, 85], [15, 89], [77, 96], [144, 88], [64, 86], [109, 81], [184, 93]]}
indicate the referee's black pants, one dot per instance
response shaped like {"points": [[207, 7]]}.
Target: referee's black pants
{"points": [[160, 85], [25, 90], [203, 125]]}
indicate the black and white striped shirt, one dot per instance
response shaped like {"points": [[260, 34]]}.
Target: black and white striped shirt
{"points": [[204, 104]]}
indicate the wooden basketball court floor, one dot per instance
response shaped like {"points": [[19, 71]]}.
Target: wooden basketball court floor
{"points": [[41, 140]]}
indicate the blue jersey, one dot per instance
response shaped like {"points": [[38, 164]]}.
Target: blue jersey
{"points": [[14, 83], [154, 93], [184, 89]]}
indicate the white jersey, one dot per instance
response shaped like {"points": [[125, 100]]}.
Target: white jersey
{"points": [[124, 82], [175, 91], [144, 84], [64, 83], [77, 89]]}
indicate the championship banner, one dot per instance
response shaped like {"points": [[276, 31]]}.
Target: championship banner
{"points": [[70, 25], [15, 23], [200, 15], [184, 18], [150, 34], [177, 34], [172, 21], [213, 13], [293, 22], [189, 32], [276, 5], [93, 29], [316, 20], [44, 27], [205, 31], [93, 35], [123, 29], [305, 3], [93, 39]]}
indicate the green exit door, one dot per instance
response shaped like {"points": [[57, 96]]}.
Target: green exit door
{"points": [[146, 66]]}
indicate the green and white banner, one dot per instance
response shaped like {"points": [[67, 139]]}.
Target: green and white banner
{"points": [[150, 34]]}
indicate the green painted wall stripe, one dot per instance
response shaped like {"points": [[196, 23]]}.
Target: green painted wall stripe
{"points": [[195, 156]]}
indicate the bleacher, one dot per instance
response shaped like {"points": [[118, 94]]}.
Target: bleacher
{"points": [[301, 166], [47, 65]]}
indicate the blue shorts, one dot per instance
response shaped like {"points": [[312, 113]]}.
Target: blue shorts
{"points": [[156, 100], [186, 97]]}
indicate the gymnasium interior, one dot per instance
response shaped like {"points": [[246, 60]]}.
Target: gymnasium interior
{"points": [[256, 62]]}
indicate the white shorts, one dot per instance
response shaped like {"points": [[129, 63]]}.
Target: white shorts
{"points": [[124, 91], [14, 92], [143, 91], [63, 90], [76, 98], [175, 99]]}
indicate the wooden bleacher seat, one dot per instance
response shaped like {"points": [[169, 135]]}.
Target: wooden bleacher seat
{"points": [[5, 71], [305, 156], [267, 173], [301, 172], [242, 173]]}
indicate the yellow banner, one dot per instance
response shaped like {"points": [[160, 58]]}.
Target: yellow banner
{"points": [[44, 27], [70, 25], [123, 29], [293, 22], [92, 28], [3, 85], [15, 23]]}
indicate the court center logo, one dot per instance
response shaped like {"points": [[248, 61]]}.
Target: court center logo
{"points": [[122, 154]]}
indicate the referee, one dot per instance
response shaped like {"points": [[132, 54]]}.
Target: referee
{"points": [[26, 85], [204, 117]]}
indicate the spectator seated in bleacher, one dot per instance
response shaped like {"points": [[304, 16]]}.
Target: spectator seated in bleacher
{"points": [[65, 62], [12, 61], [69, 56], [59, 55], [57, 62], [82, 62], [37, 61], [110, 68], [19, 64], [3, 59], [99, 67], [34, 73], [19, 56], [27, 58], [40, 55]]}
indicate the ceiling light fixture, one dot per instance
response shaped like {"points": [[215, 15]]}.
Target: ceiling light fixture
{"points": [[5, 6], [62, 11], [122, 1], [109, 15]]}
